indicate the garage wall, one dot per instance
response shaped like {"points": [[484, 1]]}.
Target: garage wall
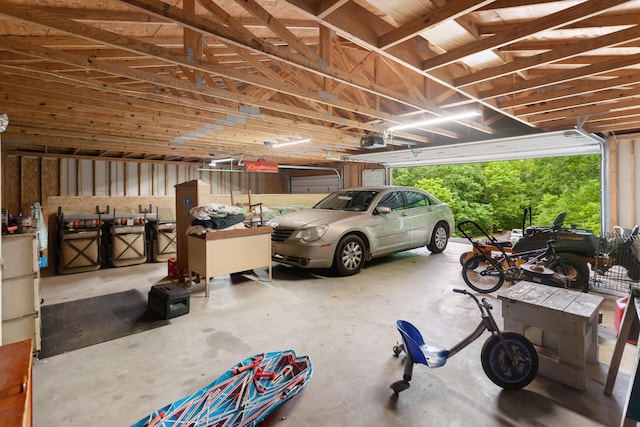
{"points": [[80, 184], [26, 180], [624, 160], [35, 179], [90, 178]]}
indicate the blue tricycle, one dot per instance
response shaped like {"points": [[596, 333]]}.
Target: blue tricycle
{"points": [[508, 358]]}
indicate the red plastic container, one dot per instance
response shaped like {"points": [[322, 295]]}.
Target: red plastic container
{"points": [[172, 269], [618, 313], [173, 272]]}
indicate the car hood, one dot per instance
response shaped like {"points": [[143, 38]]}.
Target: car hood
{"points": [[312, 217]]}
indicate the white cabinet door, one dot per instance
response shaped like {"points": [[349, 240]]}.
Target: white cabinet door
{"points": [[19, 256], [20, 311], [21, 290]]}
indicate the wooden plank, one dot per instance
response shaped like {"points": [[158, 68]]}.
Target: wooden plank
{"points": [[572, 349], [11, 183], [561, 372], [531, 315], [569, 301], [29, 184], [585, 304], [527, 292], [559, 299]]}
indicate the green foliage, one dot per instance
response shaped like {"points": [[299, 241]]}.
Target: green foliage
{"points": [[495, 194]]}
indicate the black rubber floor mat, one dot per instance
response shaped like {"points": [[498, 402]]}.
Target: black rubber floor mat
{"points": [[76, 324]]}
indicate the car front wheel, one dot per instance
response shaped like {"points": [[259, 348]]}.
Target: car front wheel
{"points": [[439, 239], [350, 255]]}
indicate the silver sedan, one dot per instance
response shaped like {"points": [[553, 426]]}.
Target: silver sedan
{"points": [[349, 227]]}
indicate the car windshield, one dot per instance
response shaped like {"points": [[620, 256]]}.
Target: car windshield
{"points": [[347, 201]]}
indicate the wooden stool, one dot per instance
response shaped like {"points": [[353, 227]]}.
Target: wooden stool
{"points": [[562, 323]]}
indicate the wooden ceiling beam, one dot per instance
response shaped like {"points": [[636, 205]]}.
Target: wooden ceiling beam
{"points": [[142, 48], [169, 78], [600, 21], [154, 112], [579, 88], [349, 25], [572, 50], [327, 7], [605, 122], [450, 11], [560, 19], [78, 141], [275, 53], [563, 76], [591, 109], [277, 27], [173, 84]]}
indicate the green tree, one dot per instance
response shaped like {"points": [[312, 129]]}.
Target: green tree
{"points": [[495, 194], [504, 193]]}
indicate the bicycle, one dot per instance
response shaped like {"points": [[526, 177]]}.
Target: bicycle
{"points": [[486, 271], [508, 358]]}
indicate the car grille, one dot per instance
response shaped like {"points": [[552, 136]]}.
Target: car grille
{"points": [[280, 235], [290, 259]]}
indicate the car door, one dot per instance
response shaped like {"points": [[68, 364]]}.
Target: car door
{"points": [[391, 231], [422, 216], [424, 212]]}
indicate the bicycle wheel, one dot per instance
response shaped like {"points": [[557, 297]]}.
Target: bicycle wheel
{"points": [[482, 274], [498, 367]]}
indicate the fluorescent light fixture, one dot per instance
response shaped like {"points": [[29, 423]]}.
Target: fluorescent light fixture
{"points": [[434, 121], [214, 162], [219, 170], [284, 144]]}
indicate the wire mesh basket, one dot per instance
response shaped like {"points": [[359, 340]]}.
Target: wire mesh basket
{"points": [[617, 265]]}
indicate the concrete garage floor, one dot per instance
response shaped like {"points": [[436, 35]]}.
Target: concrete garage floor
{"points": [[346, 326]]}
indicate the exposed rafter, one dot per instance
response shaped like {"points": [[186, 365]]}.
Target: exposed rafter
{"points": [[144, 79]]}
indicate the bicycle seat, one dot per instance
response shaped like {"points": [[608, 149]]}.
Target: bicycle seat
{"points": [[416, 348]]}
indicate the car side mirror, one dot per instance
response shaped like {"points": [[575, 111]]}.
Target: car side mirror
{"points": [[382, 210]]}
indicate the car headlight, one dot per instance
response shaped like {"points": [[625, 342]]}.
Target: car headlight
{"points": [[313, 233]]}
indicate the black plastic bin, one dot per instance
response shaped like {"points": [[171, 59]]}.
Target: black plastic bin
{"points": [[169, 300]]}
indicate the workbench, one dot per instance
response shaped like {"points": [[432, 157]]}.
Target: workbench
{"points": [[228, 251], [562, 323]]}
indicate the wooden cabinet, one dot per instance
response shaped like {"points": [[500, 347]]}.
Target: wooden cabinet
{"points": [[15, 385], [188, 195], [21, 289]]}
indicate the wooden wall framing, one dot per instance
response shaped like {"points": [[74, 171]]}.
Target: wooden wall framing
{"points": [[624, 172]]}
